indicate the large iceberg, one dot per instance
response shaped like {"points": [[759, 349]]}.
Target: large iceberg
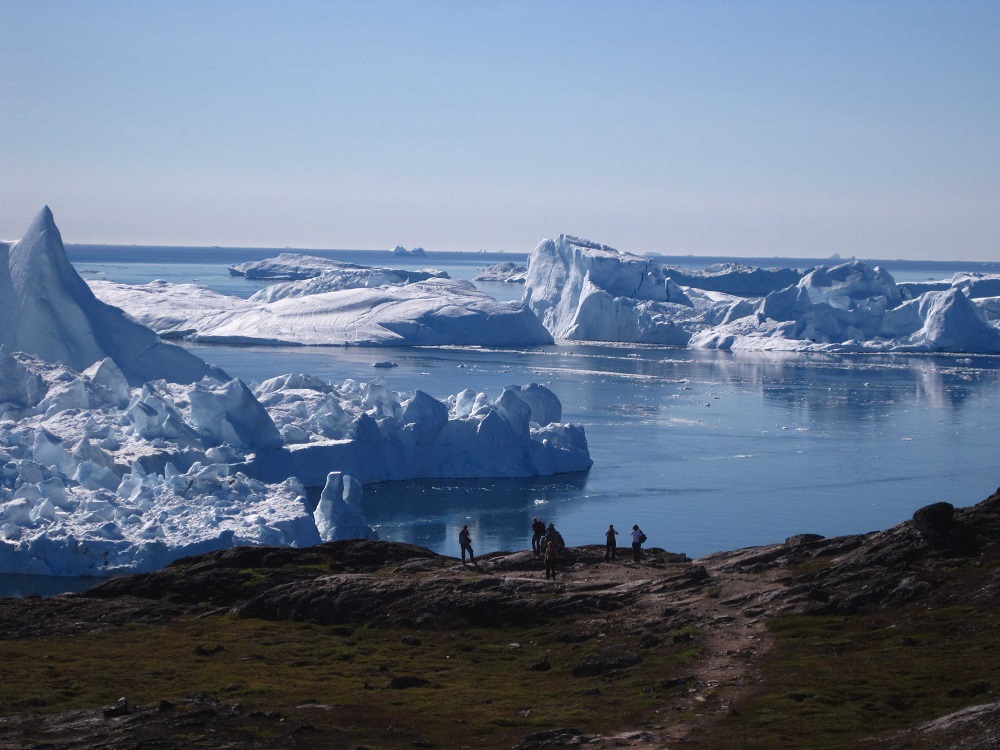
{"points": [[49, 311], [854, 308], [97, 477], [581, 290], [326, 311]]}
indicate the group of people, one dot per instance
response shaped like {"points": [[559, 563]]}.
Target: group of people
{"points": [[548, 542], [611, 547]]}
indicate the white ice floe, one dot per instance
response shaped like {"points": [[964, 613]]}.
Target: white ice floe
{"points": [[46, 309], [585, 291], [433, 312], [374, 434]]}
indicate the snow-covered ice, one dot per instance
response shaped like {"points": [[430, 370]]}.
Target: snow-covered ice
{"points": [[581, 290], [97, 477], [433, 312]]}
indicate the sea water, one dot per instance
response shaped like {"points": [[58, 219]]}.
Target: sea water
{"points": [[704, 450]]}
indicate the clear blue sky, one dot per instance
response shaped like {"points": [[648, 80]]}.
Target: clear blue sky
{"points": [[738, 128]]}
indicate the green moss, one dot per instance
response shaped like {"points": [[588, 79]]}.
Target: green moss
{"points": [[480, 686], [830, 681]]}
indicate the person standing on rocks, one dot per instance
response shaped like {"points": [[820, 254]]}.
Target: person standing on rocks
{"points": [[551, 555], [551, 535], [537, 532], [637, 539], [465, 542], [612, 545]]}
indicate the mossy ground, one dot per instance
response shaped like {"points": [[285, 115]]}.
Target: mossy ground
{"points": [[831, 681], [334, 679]]}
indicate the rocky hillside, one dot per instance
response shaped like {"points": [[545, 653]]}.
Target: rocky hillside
{"points": [[882, 640]]}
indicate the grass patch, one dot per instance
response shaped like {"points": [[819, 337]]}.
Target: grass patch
{"points": [[831, 681], [479, 686]]}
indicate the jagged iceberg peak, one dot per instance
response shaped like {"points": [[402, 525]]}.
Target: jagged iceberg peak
{"points": [[49, 311]]}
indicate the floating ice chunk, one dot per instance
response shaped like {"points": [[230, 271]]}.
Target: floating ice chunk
{"points": [[377, 397], [93, 476], [581, 290], [465, 403], [65, 396], [19, 388], [338, 514], [432, 312], [516, 413]]}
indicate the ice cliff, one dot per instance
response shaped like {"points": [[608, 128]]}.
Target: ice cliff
{"points": [[581, 290], [46, 309]]}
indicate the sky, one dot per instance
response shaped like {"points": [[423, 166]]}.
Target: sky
{"points": [[768, 128]]}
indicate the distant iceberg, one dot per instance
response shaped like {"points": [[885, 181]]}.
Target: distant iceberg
{"points": [[506, 272], [295, 266], [582, 290]]}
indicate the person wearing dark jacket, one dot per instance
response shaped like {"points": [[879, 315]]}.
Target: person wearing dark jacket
{"points": [[612, 546], [465, 542], [537, 532], [551, 535]]}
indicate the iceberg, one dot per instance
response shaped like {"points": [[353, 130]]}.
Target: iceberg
{"points": [[581, 290], [736, 278], [375, 435], [854, 308], [98, 478], [294, 266], [434, 312], [338, 514], [49, 311], [506, 272]]}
